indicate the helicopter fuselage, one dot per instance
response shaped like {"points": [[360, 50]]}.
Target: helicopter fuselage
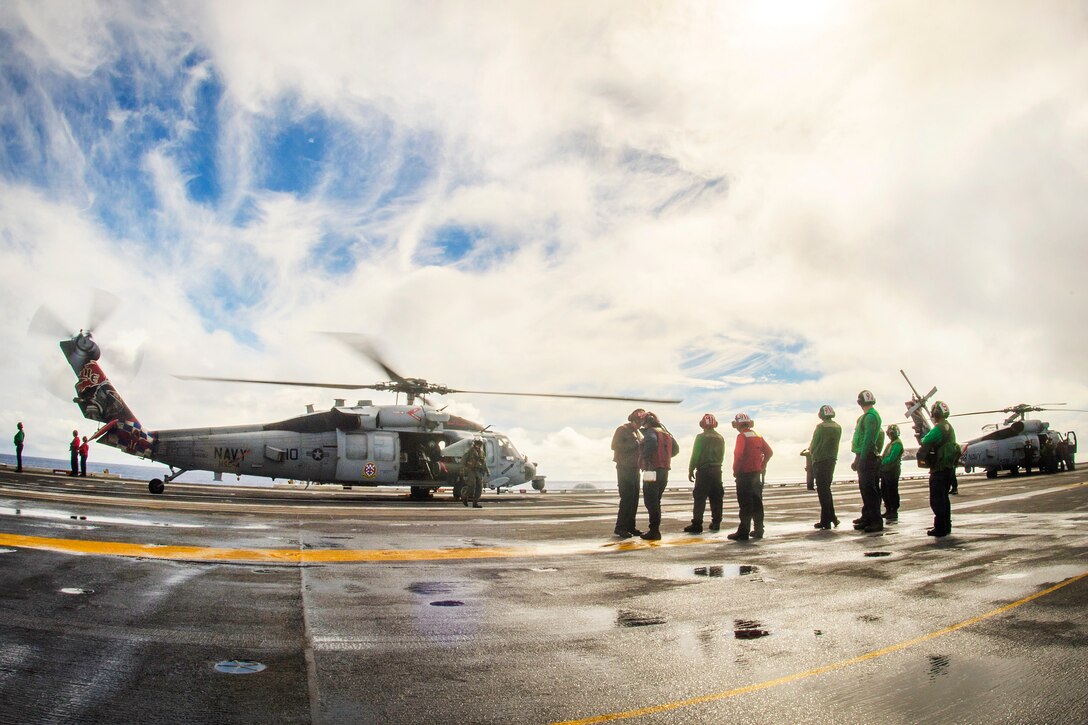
{"points": [[1024, 444], [363, 445]]}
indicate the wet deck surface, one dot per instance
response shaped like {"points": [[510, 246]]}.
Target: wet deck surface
{"points": [[368, 607]]}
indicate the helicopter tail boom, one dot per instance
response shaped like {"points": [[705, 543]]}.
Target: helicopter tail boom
{"points": [[100, 401]]}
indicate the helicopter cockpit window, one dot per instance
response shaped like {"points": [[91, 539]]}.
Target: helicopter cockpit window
{"points": [[506, 449]]}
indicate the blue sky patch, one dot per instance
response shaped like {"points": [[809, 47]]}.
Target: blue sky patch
{"points": [[199, 153], [452, 243], [735, 362], [224, 303], [294, 154]]}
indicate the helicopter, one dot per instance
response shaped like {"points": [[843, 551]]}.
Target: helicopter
{"points": [[1021, 443], [415, 445]]}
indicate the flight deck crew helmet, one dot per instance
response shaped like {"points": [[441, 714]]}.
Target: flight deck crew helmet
{"points": [[939, 410], [741, 420], [826, 412], [893, 431], [866, 397], [636, 415], [708, 422], [650, 419]]}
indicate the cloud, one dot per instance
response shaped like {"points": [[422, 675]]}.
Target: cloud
{"points": [[761, 206]]}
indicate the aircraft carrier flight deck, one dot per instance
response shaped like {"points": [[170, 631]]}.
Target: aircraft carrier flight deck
{"points": [[232, 604]]}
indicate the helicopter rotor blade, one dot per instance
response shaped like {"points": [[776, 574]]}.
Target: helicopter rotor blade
{"points": [[296, 383], [128, 362], [982, 412], [363, 346], [47, 323], [103, 305], [570, 395], [1017, 409]]}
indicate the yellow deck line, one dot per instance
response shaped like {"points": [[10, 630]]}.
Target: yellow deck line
{"points": [[713, 697], [211, 553], [301, 556]]}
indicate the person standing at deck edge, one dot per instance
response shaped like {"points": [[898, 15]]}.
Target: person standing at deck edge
{"points": [[19, 437]]}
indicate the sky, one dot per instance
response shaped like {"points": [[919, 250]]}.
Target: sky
{"points": [[754, 207]]}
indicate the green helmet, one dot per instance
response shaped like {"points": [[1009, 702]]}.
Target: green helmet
{"points": [[893, 431], [939, 410], [826, 412]]}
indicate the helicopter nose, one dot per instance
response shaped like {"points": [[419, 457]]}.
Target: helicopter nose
{"points": [[530, 470]]}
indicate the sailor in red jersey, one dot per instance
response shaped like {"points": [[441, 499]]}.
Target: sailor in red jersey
{"points": [[84, 451], [750, 458]]}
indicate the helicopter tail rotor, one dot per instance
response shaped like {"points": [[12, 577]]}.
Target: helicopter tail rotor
{"points": [[48, 323]]}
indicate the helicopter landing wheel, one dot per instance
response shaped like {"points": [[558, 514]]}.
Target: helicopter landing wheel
{"points": [[421, 493], [155, 485], [991, 473]]}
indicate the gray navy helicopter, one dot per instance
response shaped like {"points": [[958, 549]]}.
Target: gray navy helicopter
{"points": [[1021, 443], [1017, 443], [414, 445]]}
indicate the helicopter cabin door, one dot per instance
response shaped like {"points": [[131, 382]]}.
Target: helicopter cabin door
{"points": [[367, 458]]}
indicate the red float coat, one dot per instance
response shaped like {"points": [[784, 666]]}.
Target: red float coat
{"points": [[751, 453], [660, 456]]}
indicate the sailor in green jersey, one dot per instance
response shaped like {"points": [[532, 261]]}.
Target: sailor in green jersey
{"points": [[866, 446], [890, 468], [941, 438], [705, 469], [823, 452]]}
